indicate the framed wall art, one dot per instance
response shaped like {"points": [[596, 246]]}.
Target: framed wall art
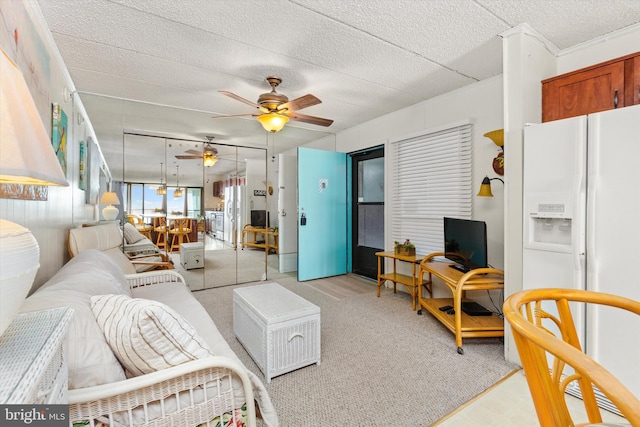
{"points": [[59, 135]]}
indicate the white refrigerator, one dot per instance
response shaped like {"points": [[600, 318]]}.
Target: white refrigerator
{"points": [[234, 214], [581, 194]]}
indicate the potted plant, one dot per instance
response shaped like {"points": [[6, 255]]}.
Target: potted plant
{"points": [[406, 249]]}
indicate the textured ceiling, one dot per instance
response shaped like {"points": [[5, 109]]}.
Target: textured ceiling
{"points": [[157, 65]]}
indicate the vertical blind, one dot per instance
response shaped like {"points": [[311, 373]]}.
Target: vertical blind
{"points": [[431, 179]]}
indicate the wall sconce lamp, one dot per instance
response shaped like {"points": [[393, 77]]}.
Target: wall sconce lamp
{"points": [[485, 187], [27, 157], [110, 212], [497, 136], [273, 122]]}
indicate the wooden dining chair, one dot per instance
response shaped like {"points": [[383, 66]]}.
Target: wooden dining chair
{"points": [[533, 315], [180, 229], [139, 224], [160, 228]]}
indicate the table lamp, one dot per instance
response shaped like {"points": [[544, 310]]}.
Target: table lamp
{"points": [[27, 158], [110, 212]]}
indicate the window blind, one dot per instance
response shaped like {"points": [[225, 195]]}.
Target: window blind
{"points": [[431, 175]]}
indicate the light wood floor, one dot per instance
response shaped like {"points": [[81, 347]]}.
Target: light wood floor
{"points": [[508, 404], [341, 287]]}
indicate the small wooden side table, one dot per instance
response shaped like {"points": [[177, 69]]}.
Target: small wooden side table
{"points": [[412, 283]]}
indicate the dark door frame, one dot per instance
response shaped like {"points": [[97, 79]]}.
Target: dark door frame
{"points": [[364, 261]]}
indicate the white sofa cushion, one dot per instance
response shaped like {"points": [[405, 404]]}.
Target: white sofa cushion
{"points": [[145, 335], [90, 360], [131, 235]]}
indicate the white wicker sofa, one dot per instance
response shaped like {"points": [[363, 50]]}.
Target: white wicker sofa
{"points": [[200, 391]]}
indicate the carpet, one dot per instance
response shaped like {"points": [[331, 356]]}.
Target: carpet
{"points": [[381, 363], [224, 267]]}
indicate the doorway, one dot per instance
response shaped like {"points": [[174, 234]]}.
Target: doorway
{"points": [[368, 210]]}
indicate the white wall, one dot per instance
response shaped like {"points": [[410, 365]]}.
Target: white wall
{"points": [[50, 220]]}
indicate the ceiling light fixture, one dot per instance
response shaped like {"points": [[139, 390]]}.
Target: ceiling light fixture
{"points": [[178, 191], [273, 122], [209, 158], [162, 190]]}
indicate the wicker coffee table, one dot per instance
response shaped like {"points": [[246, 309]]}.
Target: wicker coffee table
{"points": [[279, 329]]}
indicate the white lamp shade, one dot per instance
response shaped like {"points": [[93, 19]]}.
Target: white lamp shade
{"points": [[109, 198], [19, 263], [27, 153]]}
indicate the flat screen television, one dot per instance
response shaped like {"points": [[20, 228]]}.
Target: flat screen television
{"points": [[465, 243], [259, 218]]}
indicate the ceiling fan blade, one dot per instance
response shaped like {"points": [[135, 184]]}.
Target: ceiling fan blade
{"points": [[300, 103], [309, 119], [239, 98], [188, 157], [234, 115], [194, 152]]}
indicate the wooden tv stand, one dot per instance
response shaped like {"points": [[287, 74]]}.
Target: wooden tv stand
{"points": [[250, 238], [460, 323]]}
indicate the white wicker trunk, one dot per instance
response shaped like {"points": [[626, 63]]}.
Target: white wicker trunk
{"points": [[192, 255], [279, 329]]}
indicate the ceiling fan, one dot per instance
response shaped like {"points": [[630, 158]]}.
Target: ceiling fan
{"points": [[277, 110], [209, 155]]}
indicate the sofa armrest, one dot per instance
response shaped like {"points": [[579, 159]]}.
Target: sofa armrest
{"points": [[154, 277], [135, 397]]}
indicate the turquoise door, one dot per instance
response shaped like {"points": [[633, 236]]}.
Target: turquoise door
{"points": [[322, 214]]}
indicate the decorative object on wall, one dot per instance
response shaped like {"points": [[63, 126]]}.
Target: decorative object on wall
{"points": [[59, 134], [27, 158], [485, 187], [93, 173], [110, 212], [497, 136], [82, 166]]}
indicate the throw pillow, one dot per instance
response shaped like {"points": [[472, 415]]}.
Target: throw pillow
{"points": [[146, 335], [131, 235]]}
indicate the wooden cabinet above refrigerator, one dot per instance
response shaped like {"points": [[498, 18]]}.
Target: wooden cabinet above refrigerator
{"points": [[600, 87]]}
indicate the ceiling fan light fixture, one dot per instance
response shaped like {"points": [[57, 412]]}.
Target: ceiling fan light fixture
{"points": [[209, 158], [273, 122]]}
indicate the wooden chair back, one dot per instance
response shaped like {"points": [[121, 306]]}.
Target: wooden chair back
{"points": [[159, 222], [182, 225], [533, 314]]}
